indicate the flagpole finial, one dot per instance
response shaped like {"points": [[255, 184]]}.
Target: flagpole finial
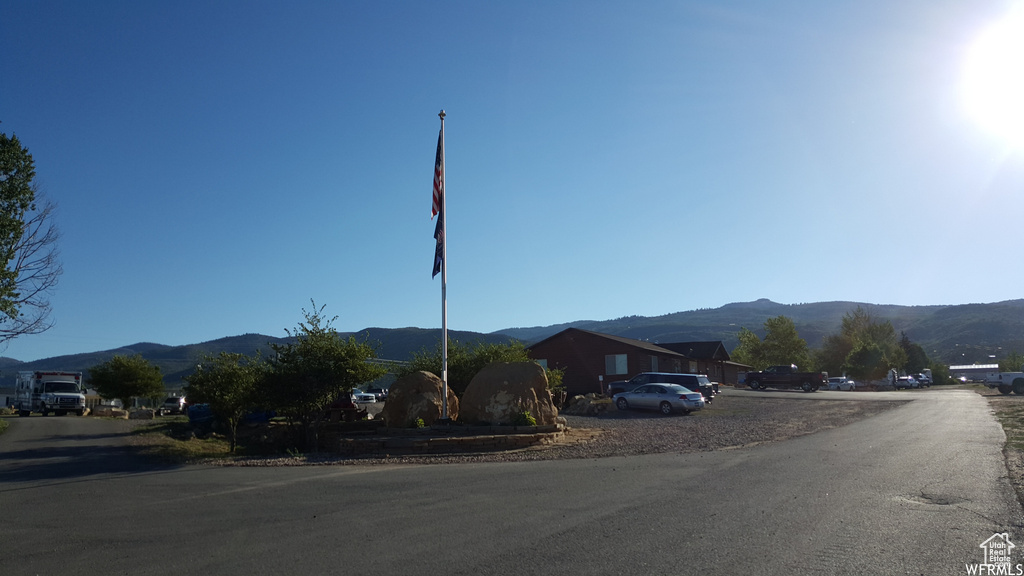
{"points": [[441, 114]]}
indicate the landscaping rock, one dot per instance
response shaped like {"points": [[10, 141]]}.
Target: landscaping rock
{"points": [[142, 414], [417, 395], [589, 405], [108, 412], [499, 392]]}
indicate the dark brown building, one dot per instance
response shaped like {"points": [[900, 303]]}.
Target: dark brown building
{"points": [[711, 359], [591, 360]]}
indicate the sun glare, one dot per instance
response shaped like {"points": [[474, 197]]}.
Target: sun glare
{"points": [[994, 79]]}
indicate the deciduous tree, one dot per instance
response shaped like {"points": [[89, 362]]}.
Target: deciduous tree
{"points": [[231, 384], [465, 360], [782, 345], [127, 377], [916, 358], [1013, 362], [307, 375], [28, 245]]}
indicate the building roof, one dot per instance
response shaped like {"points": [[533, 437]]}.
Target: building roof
{"points": [[699, 350], [714, 350], [622, 340]]}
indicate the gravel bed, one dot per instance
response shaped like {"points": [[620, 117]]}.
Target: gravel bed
{"points": [[730, 422]]}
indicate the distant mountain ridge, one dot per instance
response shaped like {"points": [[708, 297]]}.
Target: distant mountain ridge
{"points": [[176, 362], [965, 333], [956, 334]]}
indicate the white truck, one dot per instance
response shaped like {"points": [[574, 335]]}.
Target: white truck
{"points": [[45, 392], [1006, 382]]}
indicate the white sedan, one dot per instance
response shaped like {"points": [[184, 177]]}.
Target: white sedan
{"points": [[360, 397], [666, 398], [841, 383]]}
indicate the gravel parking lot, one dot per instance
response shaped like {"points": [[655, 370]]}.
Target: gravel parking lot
{"points": [[731, 421]]}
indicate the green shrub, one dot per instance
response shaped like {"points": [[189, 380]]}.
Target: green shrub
{"points": [[555, 383], [523, 418], [419, 423]]}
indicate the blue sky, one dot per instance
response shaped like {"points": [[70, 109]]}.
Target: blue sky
{"points": [[217, 165]]}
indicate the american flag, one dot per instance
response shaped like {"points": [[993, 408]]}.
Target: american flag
{"points": [[438, 203], [435, 208]]}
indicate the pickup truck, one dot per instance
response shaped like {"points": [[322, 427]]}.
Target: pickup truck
{"points": [[786, 377], [1006, 382]]}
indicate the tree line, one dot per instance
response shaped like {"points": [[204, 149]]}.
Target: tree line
{"points": [[865, 348], [300, 380]]}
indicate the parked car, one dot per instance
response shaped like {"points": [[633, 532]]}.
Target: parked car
{"points": [[693, 382], [907, 382], [666, 398], [380, 393], [841, 383], [923, 380], [173, 405], [360, 397], [199, 413], [344, 409]]}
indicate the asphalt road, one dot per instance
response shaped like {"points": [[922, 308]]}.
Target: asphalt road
{"points": [[914, 490]]}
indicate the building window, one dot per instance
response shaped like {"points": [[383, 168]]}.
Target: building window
{"points": [[615, 364], [654, 363]]}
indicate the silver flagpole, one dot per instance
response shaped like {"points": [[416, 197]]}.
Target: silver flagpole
{"points": [[444, 282]]}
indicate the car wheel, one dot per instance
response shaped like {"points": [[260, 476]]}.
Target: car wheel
{"points": [[81, 412], [44, 410], [665, 408], [23, 412], [1018, 386], [622, 404], [754, 384], [1005, 388], [806, 386]]}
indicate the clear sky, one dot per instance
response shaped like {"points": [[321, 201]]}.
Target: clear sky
{"points": [[219, 164]]}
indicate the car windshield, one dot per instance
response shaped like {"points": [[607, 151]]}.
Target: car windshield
{"points": [[62, 387]]}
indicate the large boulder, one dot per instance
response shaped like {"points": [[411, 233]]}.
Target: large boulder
{"points": [[504, 389], [417, 395]]}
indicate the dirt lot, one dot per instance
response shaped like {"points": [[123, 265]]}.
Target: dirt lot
{"points": [[1009, 410]]}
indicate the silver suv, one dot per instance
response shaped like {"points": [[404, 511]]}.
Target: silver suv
{"points": [[173, 405]]}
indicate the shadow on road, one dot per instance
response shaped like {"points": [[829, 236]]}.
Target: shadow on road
{"points": [[84, 455]]}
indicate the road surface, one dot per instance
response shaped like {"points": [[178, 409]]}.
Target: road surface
{"points": [[914, 490]]}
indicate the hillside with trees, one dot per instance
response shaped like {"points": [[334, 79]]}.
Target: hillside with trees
{"points": [[961, 334]]}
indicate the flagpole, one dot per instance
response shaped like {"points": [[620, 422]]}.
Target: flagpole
{"points": [[444, 286]]}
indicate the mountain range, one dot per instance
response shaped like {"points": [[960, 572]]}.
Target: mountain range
{"points": [[955, 334]]}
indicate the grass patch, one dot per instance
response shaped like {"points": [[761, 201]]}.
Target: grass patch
{"points": [[172, 439], [3, 425], [1011, 416]]}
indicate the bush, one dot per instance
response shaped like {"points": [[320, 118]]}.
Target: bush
{"points": [[464, 361], [523, 418]]}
